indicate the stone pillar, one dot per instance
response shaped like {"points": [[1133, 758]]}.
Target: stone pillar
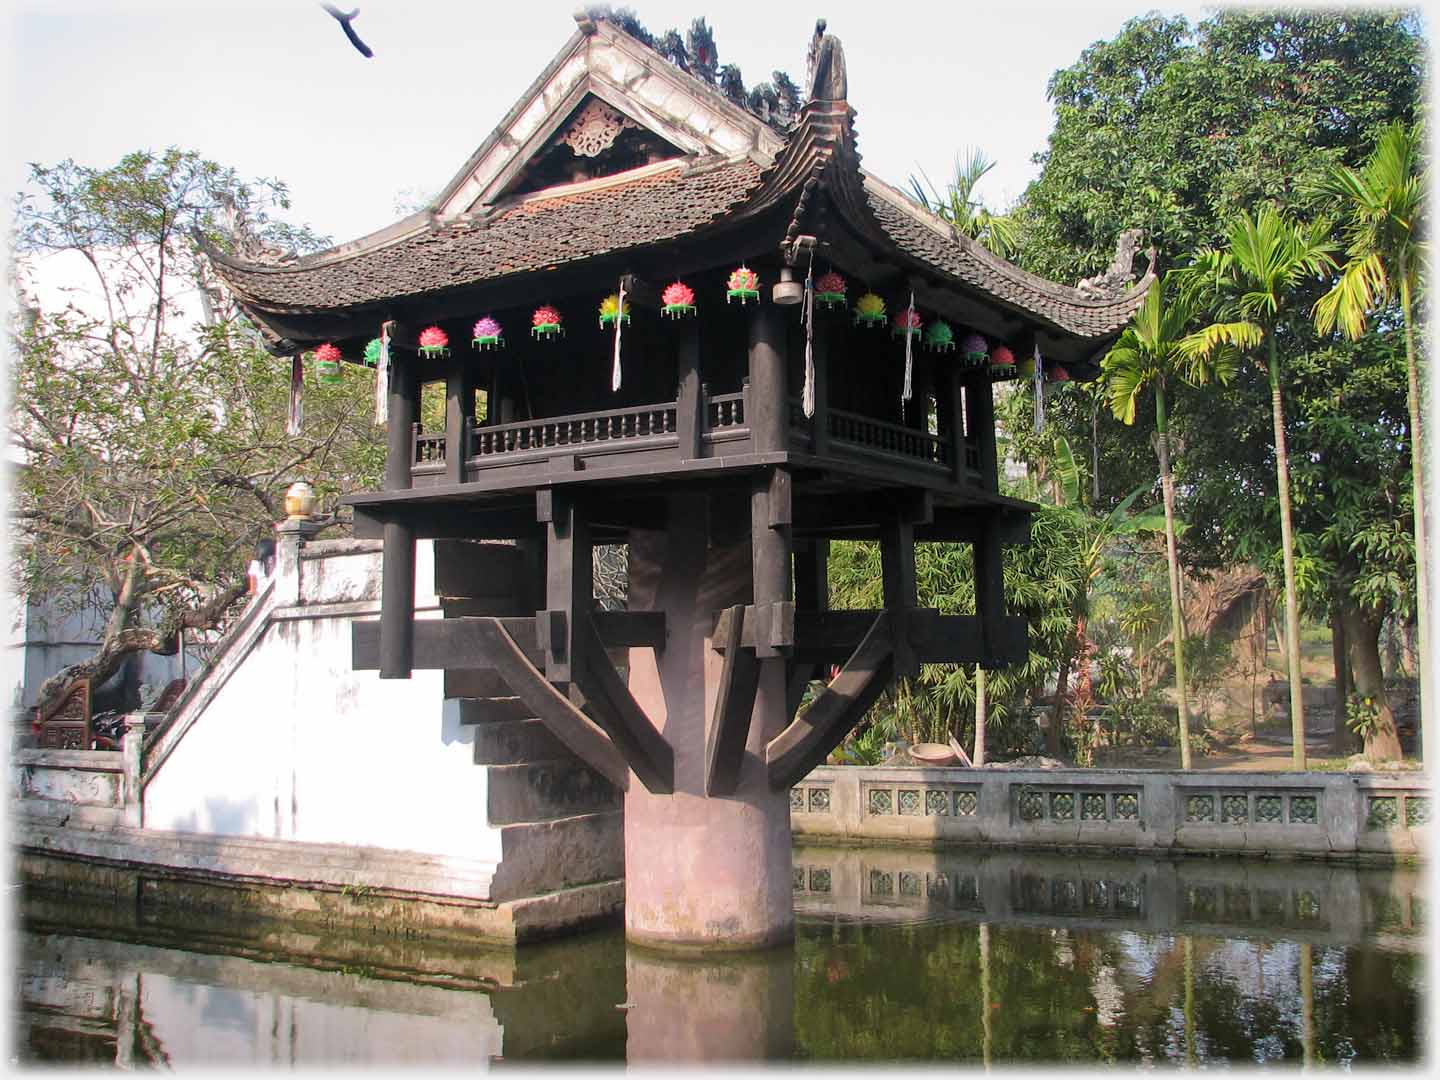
{"points": [[131, 744], [703, 873]]}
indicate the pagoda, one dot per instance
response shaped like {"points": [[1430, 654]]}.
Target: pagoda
{"points": [[723, 345]]}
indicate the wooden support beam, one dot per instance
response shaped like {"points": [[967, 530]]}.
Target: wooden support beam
{"points": [[729, 727], [456, 644], [812, 513], [616, 710], [989, 586], [767, 406], [448, 522], [807, 740], [770, 513], [459, 407], [964, 525], [689, 400], [403, 408], [897, 565], [828, 637], [569, 586], [581, 735], [397, 602], [812, 594], [951, 404], [980, 401], [812, 585], [641, 292]]}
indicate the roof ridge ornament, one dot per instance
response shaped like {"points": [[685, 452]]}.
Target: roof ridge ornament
{"points": [[1120, 275], [825, 67]]}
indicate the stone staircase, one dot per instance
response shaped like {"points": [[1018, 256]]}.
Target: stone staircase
{"points": [[560, 821]]}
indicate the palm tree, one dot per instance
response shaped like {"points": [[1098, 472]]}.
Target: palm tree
{"points": [[959, 207], [1149, 354], [1250, 282], [1384, 205]]}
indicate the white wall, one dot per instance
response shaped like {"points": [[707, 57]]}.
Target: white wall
{"points": [[296, 745], [41, 640]]}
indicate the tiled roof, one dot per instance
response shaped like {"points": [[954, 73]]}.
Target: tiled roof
{"points": [[925, 237], [525, 236]]}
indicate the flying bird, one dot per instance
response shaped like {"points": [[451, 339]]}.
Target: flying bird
{"points": [[344, 20]]}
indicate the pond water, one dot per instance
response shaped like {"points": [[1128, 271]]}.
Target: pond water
{"points": [[901, 954]]}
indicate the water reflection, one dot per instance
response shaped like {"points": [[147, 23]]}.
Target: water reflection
{"points": [[901, 955], [690, 1010]]}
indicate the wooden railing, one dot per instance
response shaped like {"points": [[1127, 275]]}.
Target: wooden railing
{"points": [[724, 411], [880, 436], [429, 449], [638, 422]]}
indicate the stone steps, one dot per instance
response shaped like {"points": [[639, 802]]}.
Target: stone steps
{"points": [[546, 790], [493, 710], [541, 856], [518, 742]]}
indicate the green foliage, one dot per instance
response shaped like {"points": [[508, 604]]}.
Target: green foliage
{"points": [[959, 206], [1176, 128], [154, 450], [1384, 207], [1363, 716]]}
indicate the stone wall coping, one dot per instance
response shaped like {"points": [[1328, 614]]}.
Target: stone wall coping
{"points": [[109, 761], [260, 859], [329, 549], [1102, 777]]}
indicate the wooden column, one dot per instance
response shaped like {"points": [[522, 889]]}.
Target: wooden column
{"points": [[459, 408], [950, 401], [569, 583], [897, 563], [981, 404], [770, 517], [768, 410], [689, 400], [404, 406], [397, 588], [812, 593], [989, 585], [820, 352]]}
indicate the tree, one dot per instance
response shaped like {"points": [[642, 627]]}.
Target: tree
{"points": [[1176, 128], [154, 450], [1383, 204], [1149, 353], [1251, 283], [960, 208]]}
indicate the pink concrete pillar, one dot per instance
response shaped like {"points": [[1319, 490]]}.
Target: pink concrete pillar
{"points": [[703, 873]]}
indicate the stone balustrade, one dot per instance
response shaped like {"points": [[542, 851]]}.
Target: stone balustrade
{"points": [[1266, 813]]}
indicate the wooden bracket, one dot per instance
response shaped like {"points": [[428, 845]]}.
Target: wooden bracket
{"points": [[762, 626], [581, 735], [616, 710], [729, 727], [839, 707]]}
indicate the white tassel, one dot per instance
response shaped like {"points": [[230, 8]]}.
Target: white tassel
{"points": [[619, 321], [296, 419], [906, 393], [807, 396], [382, 377]]}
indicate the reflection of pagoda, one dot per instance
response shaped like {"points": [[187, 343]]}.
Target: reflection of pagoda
{"points": [[741, 439]]}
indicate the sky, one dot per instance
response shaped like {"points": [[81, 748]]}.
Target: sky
{"points": [[272, 88]]}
